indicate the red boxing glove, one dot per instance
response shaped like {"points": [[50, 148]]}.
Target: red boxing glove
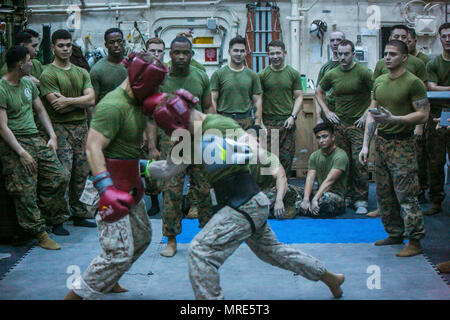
{"points": [[114, 204], [150, 104], [190, 99]]}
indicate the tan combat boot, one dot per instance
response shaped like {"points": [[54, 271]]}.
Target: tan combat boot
{"points": [[193, 213], [45, 241], [414, 248], [375, 213], [389, 241], [444, 267], [434, 209], [171, 247]]}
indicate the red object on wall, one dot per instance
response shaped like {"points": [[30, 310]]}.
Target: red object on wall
{"points": [[210, 55]]}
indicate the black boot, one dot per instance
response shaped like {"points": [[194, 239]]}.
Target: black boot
{"points": [[20, 238], [422, 198], [154, 209], [82, 222], [59, 230]]}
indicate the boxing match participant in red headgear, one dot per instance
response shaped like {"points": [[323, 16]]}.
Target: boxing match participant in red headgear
{"points": [[120, 186], [145, 77], [113, 149]]}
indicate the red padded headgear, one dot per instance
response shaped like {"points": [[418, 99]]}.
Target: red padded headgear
{"points": [[173, 114], [145, 77]]}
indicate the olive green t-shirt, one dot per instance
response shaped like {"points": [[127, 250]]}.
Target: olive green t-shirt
{"points": [[36, 69], [106, 76], [422, 56], [235, 88], [329, 98], [195, 81], [278, 88], [70, 83], [119, 118], [352, 90], [397, 96], [413, 65], [438, 71], [193, 63], [324, 164], [18, 102]]}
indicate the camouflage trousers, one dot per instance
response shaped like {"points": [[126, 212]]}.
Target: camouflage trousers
{"points": [[122, 242], [422, 163], [173, 195], [396, 183], [438, 145], [226, 231], [38, 198], [290, 199], [286, 141], [72, 154], [244, 123], [330, 204], [350, 139]]}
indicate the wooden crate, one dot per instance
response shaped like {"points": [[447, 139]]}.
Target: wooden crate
{"points": [[305, 142]]}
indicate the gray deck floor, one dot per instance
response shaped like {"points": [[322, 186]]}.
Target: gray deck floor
{"points": [[44, 274]]}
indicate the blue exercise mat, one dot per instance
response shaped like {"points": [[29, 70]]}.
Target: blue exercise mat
{"points": [[310, 230]]}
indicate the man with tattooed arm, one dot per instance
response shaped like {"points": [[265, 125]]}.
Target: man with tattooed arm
{"points": [[399, 102]]}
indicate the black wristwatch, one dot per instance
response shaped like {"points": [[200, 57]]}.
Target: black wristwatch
{"points": [[295, 117]]}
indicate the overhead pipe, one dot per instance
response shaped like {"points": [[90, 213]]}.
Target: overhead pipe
{"points": [[119, 6], [83, 5], [294, 21], [91, 7], [186, 3], [308, 8], [156, 4]]}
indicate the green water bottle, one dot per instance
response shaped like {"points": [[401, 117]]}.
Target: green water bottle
{"points": [[303, 81]]}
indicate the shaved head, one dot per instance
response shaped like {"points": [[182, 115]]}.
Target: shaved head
{"points": [[336, 37], [335, 34]]}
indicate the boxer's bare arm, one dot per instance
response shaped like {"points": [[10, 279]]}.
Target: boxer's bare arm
{"points": [[255, 147], [96, 142]]}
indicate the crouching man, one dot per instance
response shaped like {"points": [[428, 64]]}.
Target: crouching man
{"points": [[244, 209], [329, 165]]}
